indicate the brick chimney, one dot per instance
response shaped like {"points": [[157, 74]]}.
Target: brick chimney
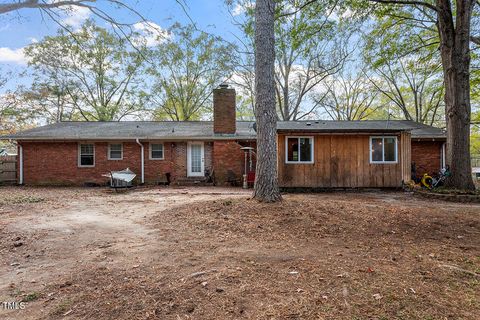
{"points": [[224, 113]]}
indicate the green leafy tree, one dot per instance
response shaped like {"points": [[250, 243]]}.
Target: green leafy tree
{"points": [[97, 71], [51, 101], [244, 108], [349, 95], [14, 115], [5, 106], [448, 26], [413, 89], [309, 48], [408, 74], [10, 115], [185, 69], [475, 137]]}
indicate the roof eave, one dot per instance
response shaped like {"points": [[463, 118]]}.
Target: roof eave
{"points": [[170, 138], [339, 131], [430, 138]]}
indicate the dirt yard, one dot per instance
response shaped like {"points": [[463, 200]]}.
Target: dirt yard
{"points": [[212, 253]]}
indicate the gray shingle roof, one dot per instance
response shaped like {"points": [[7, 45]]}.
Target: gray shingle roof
{"points": [[132, 130], [203, 130], [418, 130]]}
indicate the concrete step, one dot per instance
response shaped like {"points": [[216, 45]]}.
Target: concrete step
{"points": [[192, 181]]}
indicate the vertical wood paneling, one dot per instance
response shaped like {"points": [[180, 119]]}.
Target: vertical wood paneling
{"points": [[361, 158], [367, 176], [319, 161], [408, 159], [354, 163], [406, 152], [281, 159], [334, 162], [322, 161], [344, 178], [344, 161]]}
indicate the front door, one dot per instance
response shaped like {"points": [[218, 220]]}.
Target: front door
{"points": [[195, 159]]}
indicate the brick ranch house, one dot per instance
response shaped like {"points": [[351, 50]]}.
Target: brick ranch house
{"points": [[318, 154]]}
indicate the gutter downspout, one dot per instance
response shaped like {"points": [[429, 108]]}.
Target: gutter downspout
{"points": [[20, 164], [443, 152], [142, 160]]}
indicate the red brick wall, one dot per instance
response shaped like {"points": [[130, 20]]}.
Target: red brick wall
{"points": [[179, 159], [56, 163], [427, 156], [208, 156], [155, 170], [227, 155]]}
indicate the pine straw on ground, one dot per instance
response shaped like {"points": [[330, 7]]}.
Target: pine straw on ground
{"points": [[350, 256]]}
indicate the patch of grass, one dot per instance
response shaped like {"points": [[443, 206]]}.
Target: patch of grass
{"points": [[444, 190], [31, 297], [21, 200], [62, 307]]}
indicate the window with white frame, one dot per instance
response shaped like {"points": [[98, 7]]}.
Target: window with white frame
{"points": [[115, 151], [156, 151], [86, 155], [383, 149], [299, 149]]}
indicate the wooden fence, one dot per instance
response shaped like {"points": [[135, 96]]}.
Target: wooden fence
{"points": [[8, 170]]}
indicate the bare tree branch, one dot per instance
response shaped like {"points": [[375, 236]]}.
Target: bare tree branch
{"points": [[298, 9], [475, 40], [407, 2], [36, 4]]}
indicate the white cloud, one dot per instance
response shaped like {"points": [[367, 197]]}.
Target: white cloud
{"points": [[16, 56], [336, 15], [75, 16], [241, 8], [347, 13], [9, 55], [238, 10], [151, 33]]}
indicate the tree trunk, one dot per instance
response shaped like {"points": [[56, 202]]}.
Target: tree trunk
{"points": [[455, 53], [266, 180]]}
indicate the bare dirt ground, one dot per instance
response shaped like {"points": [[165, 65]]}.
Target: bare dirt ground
{"points": [[212, 253]]}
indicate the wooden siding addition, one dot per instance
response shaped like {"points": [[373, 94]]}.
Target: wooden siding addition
{"points": [[343, 161]]}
